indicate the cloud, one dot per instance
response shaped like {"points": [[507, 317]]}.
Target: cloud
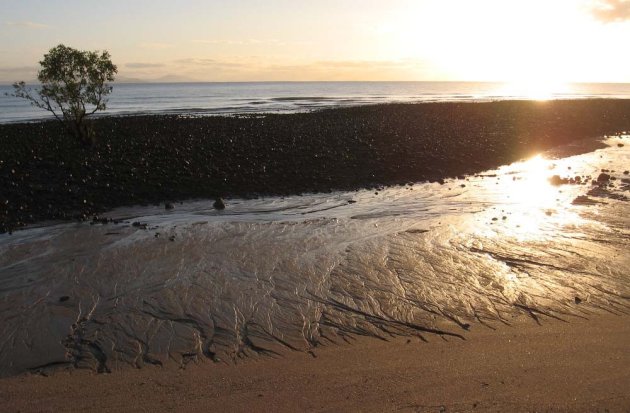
{"points": [[245, 42], [226, 42], [612, 10], [143, 65], [209, 63], [12, 74], [376, 64], [156, 46], [17, 70], [28, 25], [344, 68], [250, 68]]}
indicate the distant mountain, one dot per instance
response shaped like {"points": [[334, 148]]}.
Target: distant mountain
{"points": [[10, 82], [124, 79], [170, 78]]}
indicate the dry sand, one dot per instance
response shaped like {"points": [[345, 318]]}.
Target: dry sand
{"points": [[579, 365]]}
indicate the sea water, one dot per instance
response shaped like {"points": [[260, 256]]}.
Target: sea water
{"points": [[201, 99]]}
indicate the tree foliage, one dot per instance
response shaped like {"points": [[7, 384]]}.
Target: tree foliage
{"points": [[73, 86]]}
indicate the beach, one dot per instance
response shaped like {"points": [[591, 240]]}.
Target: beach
{"points": [[402, 257], [566, 367], [157, 159]]}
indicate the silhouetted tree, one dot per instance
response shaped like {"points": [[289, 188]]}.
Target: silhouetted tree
{"points": [[73, 86]]}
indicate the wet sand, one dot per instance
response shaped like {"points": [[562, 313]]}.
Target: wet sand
{"points": [[575, 366], [155, 159]]}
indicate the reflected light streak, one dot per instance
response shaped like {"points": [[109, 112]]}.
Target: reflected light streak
{"points": [[531, 187], [535, 90], [536, 205]]}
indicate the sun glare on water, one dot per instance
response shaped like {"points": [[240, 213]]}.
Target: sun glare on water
{"points": [[534, 90], [531, 187], [535, 204]]}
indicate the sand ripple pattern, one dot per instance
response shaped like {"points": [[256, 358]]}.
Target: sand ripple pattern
{"points": [[273, 275]]}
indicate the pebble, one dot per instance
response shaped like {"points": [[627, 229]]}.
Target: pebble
{"points": [[150, 159], [603, 177], [219, 204]]}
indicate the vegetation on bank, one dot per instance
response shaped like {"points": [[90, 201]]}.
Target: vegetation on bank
{"points": [[74, 85]]}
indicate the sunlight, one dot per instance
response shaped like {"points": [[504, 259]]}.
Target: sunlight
{"points": [[535, 44], [534, 89], [536, 203], [531, 187]]}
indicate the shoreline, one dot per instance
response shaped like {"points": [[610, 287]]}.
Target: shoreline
{"points": [[574, 365], [155, 159], [495, 293]]}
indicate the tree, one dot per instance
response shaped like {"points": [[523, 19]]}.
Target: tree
{"points": [[73, 86]]}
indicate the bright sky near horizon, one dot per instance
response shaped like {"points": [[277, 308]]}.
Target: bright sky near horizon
{"points": [[528, 41]]}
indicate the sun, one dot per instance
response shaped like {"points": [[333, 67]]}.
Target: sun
{"points": [[536, 46]]}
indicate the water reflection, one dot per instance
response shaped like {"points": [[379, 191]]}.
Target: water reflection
{"points": [[536, 89], [532, 203]]}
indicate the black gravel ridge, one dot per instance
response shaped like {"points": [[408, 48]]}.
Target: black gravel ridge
{"points": [[45, 174]]}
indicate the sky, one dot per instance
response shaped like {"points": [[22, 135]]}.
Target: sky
{"points": [[529, 41]]}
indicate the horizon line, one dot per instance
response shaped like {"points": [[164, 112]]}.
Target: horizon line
{"points": [[156, 81]]}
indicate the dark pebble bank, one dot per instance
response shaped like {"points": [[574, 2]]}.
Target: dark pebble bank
{"points": [[149, 159]]}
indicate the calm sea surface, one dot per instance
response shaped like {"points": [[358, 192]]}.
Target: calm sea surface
{"points": [[256, 97]]}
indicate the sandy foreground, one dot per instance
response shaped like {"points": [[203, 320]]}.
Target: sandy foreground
{"points": [[577, 365]]}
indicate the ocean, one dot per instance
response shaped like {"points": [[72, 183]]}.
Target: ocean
{"points": [[202, 99]]}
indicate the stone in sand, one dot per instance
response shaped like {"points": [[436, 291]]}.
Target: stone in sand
{"points": [[219, 204], [603, 177], [556, 180]]}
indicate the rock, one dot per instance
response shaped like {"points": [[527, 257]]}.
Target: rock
{"points": [[417, 231], [168, 205], [626, 172], [620, 145], [584, 200], [219, 204], [577, 300], [603, 177], [63, 298], [97, 220], [556, 180]]}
